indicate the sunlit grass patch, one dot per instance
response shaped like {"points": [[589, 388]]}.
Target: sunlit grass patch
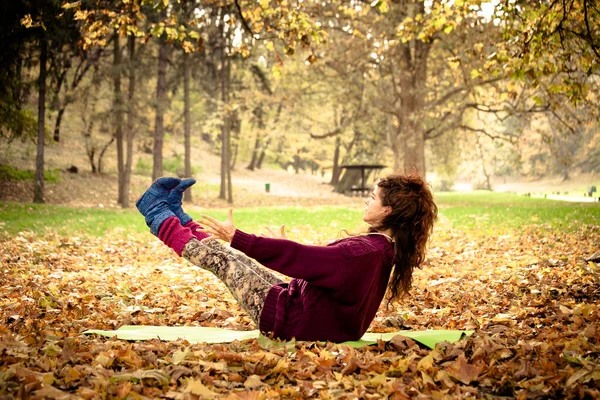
{"points": [[304, 224], [481, 212], [488, 211], [67, 221]]}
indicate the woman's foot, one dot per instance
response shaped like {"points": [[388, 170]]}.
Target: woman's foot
{"points": [[153, 204]]}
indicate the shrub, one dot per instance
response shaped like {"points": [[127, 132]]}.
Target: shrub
{"points": [[10, 173], [143, 167], [171, 166]]}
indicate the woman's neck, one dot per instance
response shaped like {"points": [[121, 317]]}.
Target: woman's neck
{"points": [[387, 232]]}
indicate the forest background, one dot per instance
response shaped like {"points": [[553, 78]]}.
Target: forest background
{"points": [[97, 98], [483, 92]]}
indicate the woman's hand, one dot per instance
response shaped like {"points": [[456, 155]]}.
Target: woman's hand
{"points": [[273, 234], [220, 230]]}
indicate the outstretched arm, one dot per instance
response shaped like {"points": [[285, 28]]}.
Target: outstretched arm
{"points": [[324, 266], [225, 230]]}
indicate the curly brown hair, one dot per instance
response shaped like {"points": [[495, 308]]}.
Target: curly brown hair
{"points": [[411, 221]]}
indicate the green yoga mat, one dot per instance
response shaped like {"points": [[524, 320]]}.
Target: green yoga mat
{"points": [[195, 334]]}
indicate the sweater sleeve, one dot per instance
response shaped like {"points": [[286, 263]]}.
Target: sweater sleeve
{"points": [[322, 266], [176, 236], [194, 226]]}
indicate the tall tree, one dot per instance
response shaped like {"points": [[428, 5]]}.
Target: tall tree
{"points": [[187, 8], [126, 180], [55, 29], [17, 52], [425, 77], [38, 192], [187, 124], [225, 191], [559, 40], [161, 104], [62, 64], [118, 113], [122, 19]]}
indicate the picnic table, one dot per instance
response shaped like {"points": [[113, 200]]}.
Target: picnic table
{"points": [[364, 169]]}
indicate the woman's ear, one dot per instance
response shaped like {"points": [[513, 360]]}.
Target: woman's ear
{"points": [[388, 210]]}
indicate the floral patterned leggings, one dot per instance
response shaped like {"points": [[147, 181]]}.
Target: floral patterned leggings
{"points": [[247, 281]]}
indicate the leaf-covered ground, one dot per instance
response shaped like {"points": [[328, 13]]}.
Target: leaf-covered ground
{"points": [[530, 296]]}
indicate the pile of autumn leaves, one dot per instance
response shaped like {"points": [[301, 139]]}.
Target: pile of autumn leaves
{"points": [[529, 295]]}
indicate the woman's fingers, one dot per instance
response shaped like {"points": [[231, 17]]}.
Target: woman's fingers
{"points": [[281, 233], [211, 219], [218, 234], [221, 229]]}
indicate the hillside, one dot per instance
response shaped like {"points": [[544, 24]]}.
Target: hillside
{"points": [[100, 190]]}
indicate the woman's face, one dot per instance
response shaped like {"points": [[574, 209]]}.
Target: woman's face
{"points": [[375, 211]]}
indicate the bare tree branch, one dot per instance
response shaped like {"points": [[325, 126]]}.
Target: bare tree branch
{"points": [[486, 133], [244, 22], [573, 131], [587, 26], [334, 132], [458, 90]]}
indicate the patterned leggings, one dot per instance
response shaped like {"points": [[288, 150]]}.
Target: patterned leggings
{"points": [[247, 281]]}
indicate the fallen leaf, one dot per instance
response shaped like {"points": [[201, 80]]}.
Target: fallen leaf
{"points": [[195, 386], [462, 371], [253, 381]]}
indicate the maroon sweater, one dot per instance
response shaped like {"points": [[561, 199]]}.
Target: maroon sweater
{"points": [[336, 289]]}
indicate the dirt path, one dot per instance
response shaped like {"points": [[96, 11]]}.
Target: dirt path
{"points": [[90, 190]]}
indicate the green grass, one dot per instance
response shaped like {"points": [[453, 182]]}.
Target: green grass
{"points": [[10, 173], [68, 221], [301, 223], [481, 212], [313, 224], [487, 211]]}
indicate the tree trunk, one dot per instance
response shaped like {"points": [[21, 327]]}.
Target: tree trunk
{"points": [[92, 161], [17, 96], [55, 103], [161, 97], [350, 178], [336, 170], [87, 117], [91, 152], [263, 152], [101, 155], [234, 136], [268, 139], [255, 152], [411, 65], [38, 190], [90, 149], [80, 71], [59, 116], [414, 153], [118, 111], [187, 125], [224, 136], [130, 121], [259, 113], [488, 183], [412, 137], [226, 191]]}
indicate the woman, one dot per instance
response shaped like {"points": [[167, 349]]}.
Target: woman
{"points": [[336, 289]]}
